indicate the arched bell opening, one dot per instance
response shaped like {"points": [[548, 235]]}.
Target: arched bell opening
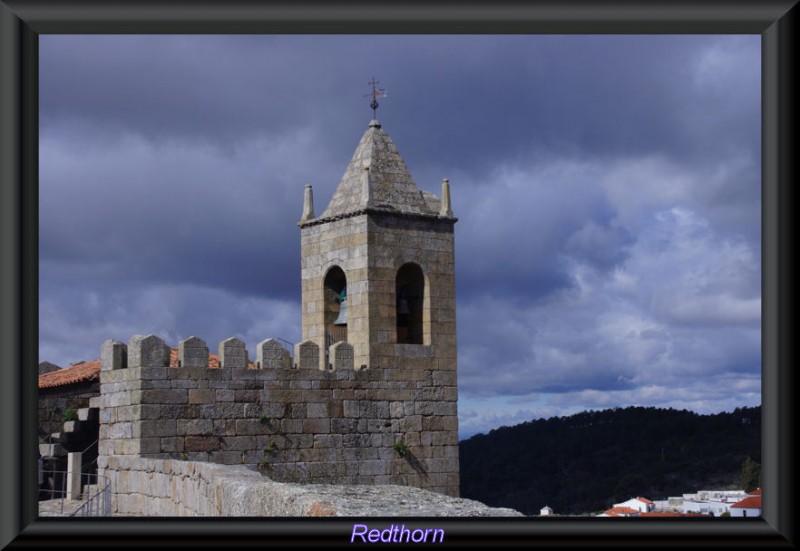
{"points": [[410, 301], [335, 306]]}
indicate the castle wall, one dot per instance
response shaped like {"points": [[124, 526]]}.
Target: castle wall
{"points": [[156, 487], [393, 425]]}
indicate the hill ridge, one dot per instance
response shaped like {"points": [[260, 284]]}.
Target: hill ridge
{"points": [[587, 461]]}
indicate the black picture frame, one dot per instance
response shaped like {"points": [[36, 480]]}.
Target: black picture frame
{"points": [[21, 21]]}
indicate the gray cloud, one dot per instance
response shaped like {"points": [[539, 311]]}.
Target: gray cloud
{"points": [[608, 191]]}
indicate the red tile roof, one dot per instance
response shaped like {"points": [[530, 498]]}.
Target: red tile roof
{"points": [[77, 373], [756, 492], [90, 371], [645, 500], [614, 511], [750, 502]]}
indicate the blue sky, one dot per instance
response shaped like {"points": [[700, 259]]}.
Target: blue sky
{"points": [[607, 187]]}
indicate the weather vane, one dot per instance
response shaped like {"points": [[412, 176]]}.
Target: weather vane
{"points": [[376, 93]]}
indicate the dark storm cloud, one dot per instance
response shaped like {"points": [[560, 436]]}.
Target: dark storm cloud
{"points": [[600, 95], [607, 189]]}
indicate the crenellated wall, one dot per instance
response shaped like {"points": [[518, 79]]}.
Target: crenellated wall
{"points": [[286, 418]]}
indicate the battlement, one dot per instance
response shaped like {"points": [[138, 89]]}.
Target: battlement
{"points": [[281, 414], [151, 351]]}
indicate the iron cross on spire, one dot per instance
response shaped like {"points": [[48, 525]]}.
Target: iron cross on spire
{"points": [[376, 93]]}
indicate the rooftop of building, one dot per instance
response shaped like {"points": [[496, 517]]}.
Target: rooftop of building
{"points": [[750, 502], [620, 511], [377, 178]]}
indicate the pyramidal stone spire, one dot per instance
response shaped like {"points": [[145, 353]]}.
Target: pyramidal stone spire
{"points": [[377, 178]]}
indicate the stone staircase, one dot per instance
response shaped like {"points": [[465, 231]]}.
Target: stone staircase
{"points": [[74, 435]]}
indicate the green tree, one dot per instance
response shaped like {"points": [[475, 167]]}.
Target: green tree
{"points": [[750, 479]]}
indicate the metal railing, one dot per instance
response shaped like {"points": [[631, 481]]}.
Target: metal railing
{"points": [[85, 467], [95, 497]]}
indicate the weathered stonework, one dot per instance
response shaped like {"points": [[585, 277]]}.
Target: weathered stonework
{"points": [[294, 425], [370, 394], [271, 355], [153, 487], [341, 356], [232, 353]]}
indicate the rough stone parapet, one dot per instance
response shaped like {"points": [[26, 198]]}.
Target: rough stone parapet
{"points": [[192, 352], [113, 355], [232, 354], [153, 487], [306, 355], [295, 425], [147, 351], [341, 356], [271, 354]]}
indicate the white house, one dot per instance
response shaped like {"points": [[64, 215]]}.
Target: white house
{"points": [[711, 507], [748, 507], [640, 504]]}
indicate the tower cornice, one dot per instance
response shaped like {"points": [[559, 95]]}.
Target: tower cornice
{"points": [[379, 212]]}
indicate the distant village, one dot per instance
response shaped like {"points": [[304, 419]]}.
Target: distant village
{"points": [[705, 503]]}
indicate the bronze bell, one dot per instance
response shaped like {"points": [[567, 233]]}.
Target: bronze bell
{"points": [[342, 319]]}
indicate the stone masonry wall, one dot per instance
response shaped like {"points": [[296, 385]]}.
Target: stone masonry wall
{"points": [[292, 423], [393, 242], [341, 243], [54, 402], [153, 487]]}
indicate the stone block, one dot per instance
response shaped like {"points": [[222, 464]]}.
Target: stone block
{"points": [[113, 355], [117, 399], [204, 396], [194, 427], [412, 423], [227, 457], [202, 443], [247, 396], [352, 408], [224, 395], [172, 444], [374, 467], [290, 426], [238, 443], [270, 354], [245, 427], [341, 356], [316, 410], [192, 352], [232, 353], [316, 426], [396, 409], [119, 430], [163, 397], [343, 426], [150, 445], [147, 351], [306, 355]]}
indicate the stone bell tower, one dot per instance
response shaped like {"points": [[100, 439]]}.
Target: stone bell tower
{"points": [[378, 266]]}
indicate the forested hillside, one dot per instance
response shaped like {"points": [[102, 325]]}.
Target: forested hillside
{"points": [[585, 462]]}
